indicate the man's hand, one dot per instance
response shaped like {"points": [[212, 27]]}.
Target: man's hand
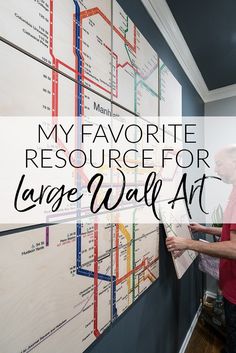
{"points": [[176, 244], [195, 227], [224, 249]]}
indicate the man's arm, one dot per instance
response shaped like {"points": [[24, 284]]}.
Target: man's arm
{"points": [[195, 227], [224, 249]]}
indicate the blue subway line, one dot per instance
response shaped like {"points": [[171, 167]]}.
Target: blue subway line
{"points": [[80, 270], [77, 50]]}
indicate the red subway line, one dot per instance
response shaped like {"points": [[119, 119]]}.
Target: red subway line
{"points": [[143, 264], [117, 250], [95, 11]]}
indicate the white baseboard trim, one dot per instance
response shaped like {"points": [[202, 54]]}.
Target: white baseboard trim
{"points": [[190, 331]]}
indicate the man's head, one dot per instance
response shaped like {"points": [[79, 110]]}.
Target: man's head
{"points": [[225, 164]]}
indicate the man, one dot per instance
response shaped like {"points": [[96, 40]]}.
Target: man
{"points": [[225, 249]]}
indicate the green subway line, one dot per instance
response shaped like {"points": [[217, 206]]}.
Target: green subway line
{"points": [[161, 69], [135, 92], [133, 253], [148, 88], [162, 66], [134, 213], [126, 47], [127, 25], [141, 81], [169, 225], [135, 74], [135, 110]]}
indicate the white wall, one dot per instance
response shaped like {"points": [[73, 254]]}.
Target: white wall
{"points": [[223, 107]]}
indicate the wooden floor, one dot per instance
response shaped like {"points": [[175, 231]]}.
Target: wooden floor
{"points": [[204, 340]]}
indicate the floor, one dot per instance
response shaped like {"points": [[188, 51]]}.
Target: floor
{"points": [[205, 339]]}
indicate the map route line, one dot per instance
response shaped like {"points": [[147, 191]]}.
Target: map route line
{"points": [[76, 65], [127, 236], [79, 111], [136, 71], [149, 89], [150, 272], [121, 279], [144, 77], [89, 13], [66, 321], [78, 57], [95, 11], [117, 251], [83, 76], [56, 61], [142, 264], [80, 271], [55, 64], [133, 245], [132, 66], [145, 264], [152, 278], [95, 303], [83, 15], [116, 58], [169, 225], [55, 78], [152, 275], [161, 68], [80, 73], [55, 87]]}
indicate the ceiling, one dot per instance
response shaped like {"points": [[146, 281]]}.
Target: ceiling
{"points": [[209, 29]]}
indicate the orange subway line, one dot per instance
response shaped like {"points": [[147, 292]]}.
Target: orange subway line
{"points": [[95, 11]]}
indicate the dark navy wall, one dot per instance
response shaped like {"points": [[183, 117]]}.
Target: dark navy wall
{"points": [[159, 320], [192, 102]]}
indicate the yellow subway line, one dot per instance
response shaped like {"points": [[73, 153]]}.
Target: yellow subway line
{"points": [[128, 238]]}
